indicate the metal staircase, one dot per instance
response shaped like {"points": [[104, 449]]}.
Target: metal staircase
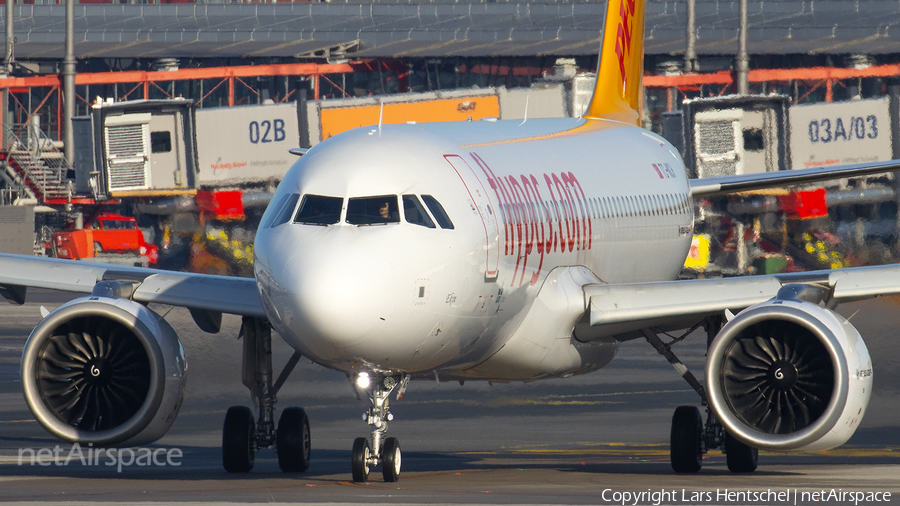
{"points": [[35, 166]]}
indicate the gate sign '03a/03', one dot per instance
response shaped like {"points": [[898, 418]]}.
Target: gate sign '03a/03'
{"points": [[840, 133]]}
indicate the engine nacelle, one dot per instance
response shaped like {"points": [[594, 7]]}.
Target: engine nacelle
{"points": [[789, 375], [104, 371]]}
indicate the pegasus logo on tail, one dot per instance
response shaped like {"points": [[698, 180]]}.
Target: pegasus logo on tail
{"points": [[619, 93], [623, 38]]}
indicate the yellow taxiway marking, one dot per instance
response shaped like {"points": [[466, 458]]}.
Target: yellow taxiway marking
{"points": [[548, 400], [862, 452], [662, 450]]}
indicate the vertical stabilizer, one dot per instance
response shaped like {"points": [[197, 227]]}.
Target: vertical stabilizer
{"points": [[619, 92]]}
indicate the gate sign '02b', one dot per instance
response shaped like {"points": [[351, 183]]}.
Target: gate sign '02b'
{"points": [[246, 143], [840, 133]]}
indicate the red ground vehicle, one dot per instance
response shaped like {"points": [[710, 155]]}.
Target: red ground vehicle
{"points": [[108, 233], [114, 233]]}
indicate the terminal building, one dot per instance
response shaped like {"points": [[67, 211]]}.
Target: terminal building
{"points": [[429, 46]]}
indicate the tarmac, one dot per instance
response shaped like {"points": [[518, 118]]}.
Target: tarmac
{"points": [[601, 438]]}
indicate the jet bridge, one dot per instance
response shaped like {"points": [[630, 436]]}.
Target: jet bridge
{"points": [[738, 134], [140, 148]]}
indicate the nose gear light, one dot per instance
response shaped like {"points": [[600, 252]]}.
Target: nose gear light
{"points": [[363, 381]]}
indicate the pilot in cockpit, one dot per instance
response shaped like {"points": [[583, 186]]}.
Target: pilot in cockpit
{"points": [[387, 210]]}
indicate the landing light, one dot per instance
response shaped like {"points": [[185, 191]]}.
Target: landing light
{"points": [[363, 380]]}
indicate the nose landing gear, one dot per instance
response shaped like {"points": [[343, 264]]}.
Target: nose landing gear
{"points": [[380, 450]]}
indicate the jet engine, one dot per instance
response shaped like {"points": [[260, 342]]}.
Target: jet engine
{"points": [[789, 374], [105, 371]]}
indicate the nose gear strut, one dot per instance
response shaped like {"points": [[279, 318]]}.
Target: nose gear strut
{"points": [[378, 450]]}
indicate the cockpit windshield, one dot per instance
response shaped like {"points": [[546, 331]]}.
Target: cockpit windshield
{"points": [[415, 213], [373, 210], [280, 213], [438, 211], [319, 210]]}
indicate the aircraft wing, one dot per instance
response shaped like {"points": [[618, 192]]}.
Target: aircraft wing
{"points": [[709, 186], [617, 310], [223, 294]]}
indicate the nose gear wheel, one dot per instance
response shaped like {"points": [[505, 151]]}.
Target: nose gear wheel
{"points": [[362, 455], [390, 466]]}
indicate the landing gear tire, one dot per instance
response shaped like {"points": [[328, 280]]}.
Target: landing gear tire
{"points": [[359, 461], [293, 441], [741, 458], [685, 442], [238, 440], [390, 460]]}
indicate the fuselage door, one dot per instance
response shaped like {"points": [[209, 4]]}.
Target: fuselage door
{"points": [[478, 199]]}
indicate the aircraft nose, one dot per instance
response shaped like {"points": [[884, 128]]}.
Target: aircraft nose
{"points": [[340, 296]]}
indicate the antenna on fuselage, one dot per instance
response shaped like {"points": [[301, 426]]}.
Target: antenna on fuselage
{"points": [[380, 117], [524, 119]]}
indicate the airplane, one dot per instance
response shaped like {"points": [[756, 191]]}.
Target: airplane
{"points": [[485, 250]]}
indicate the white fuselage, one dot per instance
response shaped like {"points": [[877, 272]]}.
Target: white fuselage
{"points": [[524, 199]]}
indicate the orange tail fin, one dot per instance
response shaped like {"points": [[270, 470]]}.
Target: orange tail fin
{"points": [[619, 92]]}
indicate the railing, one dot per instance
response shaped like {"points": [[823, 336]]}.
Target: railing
{"points": [[8, 196], [60, 2], [37, 160]]}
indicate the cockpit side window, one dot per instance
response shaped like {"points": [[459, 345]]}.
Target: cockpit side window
{"points": [[281, 213], [373, 210], [415, 213], [437, 210], [319, 210]]}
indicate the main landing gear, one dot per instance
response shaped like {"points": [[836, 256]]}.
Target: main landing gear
{"points": [[690, 438], [242, 436], [379, 450]]}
